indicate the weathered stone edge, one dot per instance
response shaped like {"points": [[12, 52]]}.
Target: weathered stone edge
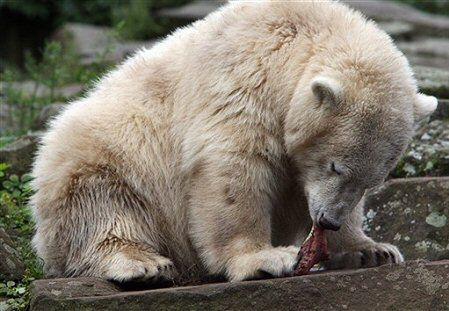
{"points": [[415, 285]]}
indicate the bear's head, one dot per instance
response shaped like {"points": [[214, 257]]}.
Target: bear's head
{"points": [[346, 134]]}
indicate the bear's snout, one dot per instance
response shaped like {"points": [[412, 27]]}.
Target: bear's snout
{"points": [[328, 223]]}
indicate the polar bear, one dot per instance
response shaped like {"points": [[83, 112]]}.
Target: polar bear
{"points": [[216, 150]]}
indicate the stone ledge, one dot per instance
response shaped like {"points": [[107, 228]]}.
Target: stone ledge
{"points": [[411, 213], [415, 285]]}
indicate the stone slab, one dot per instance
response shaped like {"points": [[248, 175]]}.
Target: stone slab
{"points": [[432, 52], [380, 10], [432, 81], [410, 286], [428, 152], [413, 214], [11, 266], [20, 153]]}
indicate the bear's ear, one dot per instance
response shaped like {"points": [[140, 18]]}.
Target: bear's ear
{"points": [[327, 91], [424, 106]]}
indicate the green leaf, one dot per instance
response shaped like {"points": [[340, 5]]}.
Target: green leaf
{"points": [[10, 283], [14, 178], [16, 194], [7, 184], [26, 178], [4, 306], [4, 166]]}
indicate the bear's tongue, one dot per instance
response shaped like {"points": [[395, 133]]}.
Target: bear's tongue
{"points": [[313, 250]]}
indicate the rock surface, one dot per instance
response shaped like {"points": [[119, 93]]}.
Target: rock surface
{"points": [[442, 112], [428, 153], [6, 123], [11, 267], [20, 153], [433, 52], [397, 30], [29, 88], [421, 23], [411, 286], [432, 81], [193, 10], [47, 113], [94, 43], [412, 214]]}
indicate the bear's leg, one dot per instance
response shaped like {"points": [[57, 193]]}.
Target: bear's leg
{"points": [[230, 204], [351, 248], [99, 226]]}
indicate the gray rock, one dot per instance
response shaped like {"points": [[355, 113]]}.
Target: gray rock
{"points": [[193, 10], [6, 120], [423, 23], [11, 266], [428, 153], [442, 111], [432, 81], [428, 61], [31, 88], [433, 52], [20, 153], [397, 30], [379, 10], [48, 113], [97, 43], [411, 286], [412, 213]]}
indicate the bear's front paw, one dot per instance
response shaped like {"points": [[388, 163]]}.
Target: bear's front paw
{"points": [[278, 261], [371, 255]]}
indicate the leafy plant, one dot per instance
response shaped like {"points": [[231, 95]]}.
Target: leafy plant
{"points": [[15, 216], [18, 294], [54, 69], [58, 67], [139, 15]]}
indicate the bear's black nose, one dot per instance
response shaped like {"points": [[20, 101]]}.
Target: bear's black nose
{"points": [[327, 224]]}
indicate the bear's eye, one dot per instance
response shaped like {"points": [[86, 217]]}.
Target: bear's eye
{"points": [[334, 169]]}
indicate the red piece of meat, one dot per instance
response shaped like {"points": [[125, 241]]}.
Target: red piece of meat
{"points": [[313, 250]]}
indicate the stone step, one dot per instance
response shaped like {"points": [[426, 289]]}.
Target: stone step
{"points": [[97, 43], [20, 153], [11, 266], [428, 152], [423, 23], [433, 52], [413, 214], [380, 10], [442, 112], [410, 286], [432, 81], [193, 10]]}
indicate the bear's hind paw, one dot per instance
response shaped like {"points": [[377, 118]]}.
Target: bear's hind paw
{"points": [[122, 269]]}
